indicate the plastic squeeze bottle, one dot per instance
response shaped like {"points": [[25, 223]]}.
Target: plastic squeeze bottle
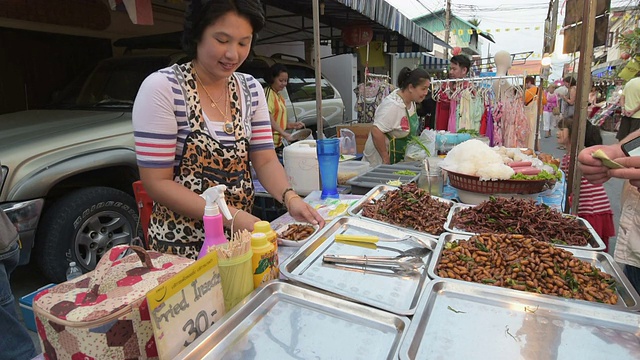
{"points": [[265, 228], [212, 219], [263, 260]]}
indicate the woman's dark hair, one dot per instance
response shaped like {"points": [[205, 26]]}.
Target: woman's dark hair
{"points": [[413, 77], [530, 80], [273, 72], [202, 13], [571, 80], [592, 134]]}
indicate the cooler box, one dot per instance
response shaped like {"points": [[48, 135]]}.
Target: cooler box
{"points": [[26, 306]]}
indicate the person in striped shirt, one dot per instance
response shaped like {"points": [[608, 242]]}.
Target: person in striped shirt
{"points": [[594, 204], [201, 124]]}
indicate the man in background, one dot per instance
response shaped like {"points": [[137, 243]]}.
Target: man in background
{"points": [[630, 105], [458, 69]]}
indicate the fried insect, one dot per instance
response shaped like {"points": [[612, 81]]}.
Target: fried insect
{"points": [[516, 262], [297, 232], [525, 217], [409, 207]]}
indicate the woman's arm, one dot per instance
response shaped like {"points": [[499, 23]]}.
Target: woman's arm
{"points": [[572, 96], [380, 142], [275, 126], [274, 179]]}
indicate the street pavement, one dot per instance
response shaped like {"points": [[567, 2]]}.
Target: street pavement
{"points": [[27, 279]]}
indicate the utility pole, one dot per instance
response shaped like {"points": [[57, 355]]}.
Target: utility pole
{"points": [[554, 28], [447, 27], [584, 86]]}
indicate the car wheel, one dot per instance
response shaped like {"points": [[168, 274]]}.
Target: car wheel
{"points": [[81, 227]]}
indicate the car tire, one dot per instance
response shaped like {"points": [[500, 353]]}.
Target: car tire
{"points": [[81, 227]]}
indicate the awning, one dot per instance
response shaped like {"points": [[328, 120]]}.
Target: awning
{"points": [[426, 61], [290, 20], [606, 67]]}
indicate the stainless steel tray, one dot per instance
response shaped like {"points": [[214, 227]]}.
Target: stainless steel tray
{"points": [[628, 298], [376, 193], [490, 324], [284, 321], [397, 292], [594, 243], [380, 175]]}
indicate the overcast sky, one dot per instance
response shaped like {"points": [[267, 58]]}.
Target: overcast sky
{"points": [[497, 14]]}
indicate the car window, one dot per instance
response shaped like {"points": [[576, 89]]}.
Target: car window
{"points": [[113, 83], [302, 84]]}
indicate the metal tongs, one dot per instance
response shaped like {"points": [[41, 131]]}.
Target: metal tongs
{"points": [[404, 262]]}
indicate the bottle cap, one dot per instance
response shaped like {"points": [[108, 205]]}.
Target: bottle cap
{"points": [[259, 240], [72, 264], [262, 227]]}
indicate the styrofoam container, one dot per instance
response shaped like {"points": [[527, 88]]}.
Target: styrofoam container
{"points": [[26, 306], [351, 169]]}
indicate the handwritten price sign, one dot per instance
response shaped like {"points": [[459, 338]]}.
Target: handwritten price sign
{"points": [[185, 306]]}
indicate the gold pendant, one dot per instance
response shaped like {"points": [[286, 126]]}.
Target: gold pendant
{"points": [[213, 105], [228, 127]]}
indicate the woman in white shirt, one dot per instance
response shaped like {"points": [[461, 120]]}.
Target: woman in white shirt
{"points": [[396, 119]]}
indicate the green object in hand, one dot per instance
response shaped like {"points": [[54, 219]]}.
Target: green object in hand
{"points": [[602, 156]]}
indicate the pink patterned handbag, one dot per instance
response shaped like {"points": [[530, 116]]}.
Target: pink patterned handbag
{"points": [[104, 314]]}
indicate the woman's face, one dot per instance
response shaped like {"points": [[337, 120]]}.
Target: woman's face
{"points": [[418, 93], [225, 45], [563, 136], [280, 82]]}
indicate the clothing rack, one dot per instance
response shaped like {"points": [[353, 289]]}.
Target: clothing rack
{"points": [[479, 79]]}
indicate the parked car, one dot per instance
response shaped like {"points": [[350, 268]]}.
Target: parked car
{"points": [[67, 170], [300, 93]]}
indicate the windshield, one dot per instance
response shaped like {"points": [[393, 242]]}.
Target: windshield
{"points": [[113, 84]]}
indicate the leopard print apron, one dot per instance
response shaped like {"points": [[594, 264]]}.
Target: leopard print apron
{"points": [[205, 162]]}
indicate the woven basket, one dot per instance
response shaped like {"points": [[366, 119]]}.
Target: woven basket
{"points": [[473, 183]]}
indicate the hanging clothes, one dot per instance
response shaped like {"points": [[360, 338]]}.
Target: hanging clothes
{"points": [[369, 95]]}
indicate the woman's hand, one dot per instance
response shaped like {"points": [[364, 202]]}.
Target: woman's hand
{"points": [[287, 136], [301, 211], [295, 125], [242, 220], [593, 169], [632, 171]]}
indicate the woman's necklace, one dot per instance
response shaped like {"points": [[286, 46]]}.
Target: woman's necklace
{"points": [[228, 125]]}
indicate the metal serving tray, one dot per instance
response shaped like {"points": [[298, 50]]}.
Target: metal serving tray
{"points": [[628, 298], [379, 175], [284, 321], [376, 193], [457, 320], [594, 243], [386, 289]]}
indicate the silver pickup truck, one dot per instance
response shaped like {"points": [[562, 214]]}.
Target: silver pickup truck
{"points": [[67, 170]]}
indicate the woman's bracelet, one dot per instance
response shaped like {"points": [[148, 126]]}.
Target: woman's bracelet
{"points": [[284, 194]]}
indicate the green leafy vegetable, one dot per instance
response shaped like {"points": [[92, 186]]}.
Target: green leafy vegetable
{"points": [[416, 140], [472, 132], [405, 172]]}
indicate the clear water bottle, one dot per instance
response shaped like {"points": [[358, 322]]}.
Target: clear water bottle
{"points": [[73, 271]]}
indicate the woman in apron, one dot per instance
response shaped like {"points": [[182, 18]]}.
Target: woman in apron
{"points": [[200, 124], [396, 119]]}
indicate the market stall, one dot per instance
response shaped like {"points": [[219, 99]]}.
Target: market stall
{"points": [[515, 272]]}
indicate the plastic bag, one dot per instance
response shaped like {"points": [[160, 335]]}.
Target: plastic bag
{"points": [[417, 152]]}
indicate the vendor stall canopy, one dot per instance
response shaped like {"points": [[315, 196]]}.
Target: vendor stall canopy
{"points": [[290, 20]]}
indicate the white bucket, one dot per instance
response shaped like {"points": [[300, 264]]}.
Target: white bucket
{"points": [[301, 165]]}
